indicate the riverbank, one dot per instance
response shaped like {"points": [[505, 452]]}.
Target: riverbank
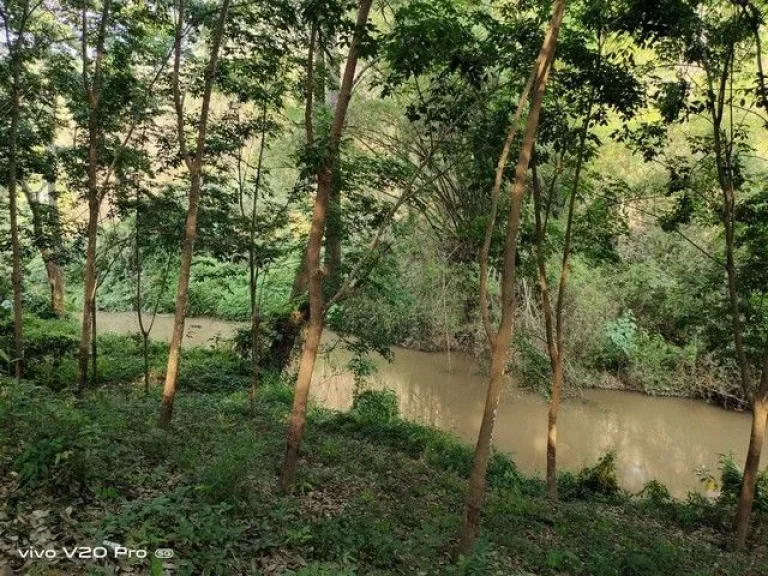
{"points": [[530, 367], [375, 495], [675, 441]]}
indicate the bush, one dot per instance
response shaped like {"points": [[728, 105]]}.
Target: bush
{"points": [[53, 445], [655, 493], [731, 477], [205, 370], [620, 336], [593, 482], [376, 406], [200, 534]]}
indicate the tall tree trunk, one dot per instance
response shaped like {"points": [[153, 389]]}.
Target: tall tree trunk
{"points": [[556, 341], [194, 166], [754, 452], [333, 231], [476, 493], [89, 290], [555, 360], [288, 326], [94, 343], [760, 400], [56, 287], [495, 192], [314, 244], [53, 268], [751, 471], [17, 279], [182, 291], [253, 275], [92, 87]]}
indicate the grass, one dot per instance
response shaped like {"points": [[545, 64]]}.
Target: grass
{"points": [[375, 495]]}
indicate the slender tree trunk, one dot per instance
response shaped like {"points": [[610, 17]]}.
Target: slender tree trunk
{"points": [[17, 279], [89, 290], [556, 351], [92, 88], [289, 325], [754, 452], [760, 401], [145, 353], [56, 286], [751, 472], [760, 397], [555, 360], [314, 244], [476, 493], [174, 351], [194, 165], [94, 345], [333, 240], [253, 274], [333, 232], [255, 339], [495, 191]]}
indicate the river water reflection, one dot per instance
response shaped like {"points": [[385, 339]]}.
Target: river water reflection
{"points": [[666, 439]]}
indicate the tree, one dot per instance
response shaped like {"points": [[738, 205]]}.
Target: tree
{"points": [[501, 339], [16, 18], [592, 81], [321, 21], [193, 160], [714, 40], [107, 67], [314, 245]]}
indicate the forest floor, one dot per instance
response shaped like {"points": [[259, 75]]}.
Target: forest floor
{"points": [[374, 494]]}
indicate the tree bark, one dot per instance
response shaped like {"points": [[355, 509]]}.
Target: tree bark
{"points": [[314, 244], [56, 286], [94, 342], [556, 340], [751, 472], [476, 493], [89, 292], [17, 279], [289, 325], [333, 232], [760, 401], [194, 166], [754, 452], [92, 87], [495, 191], [253, 272]]}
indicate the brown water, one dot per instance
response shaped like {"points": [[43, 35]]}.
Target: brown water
{"points": [[667, 439]]}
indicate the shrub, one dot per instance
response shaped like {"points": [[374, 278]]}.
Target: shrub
{"points": [[620, 336], [655, 493], [53, 445], [376, 406], [200, 534], [598, 481], [731, 477]]}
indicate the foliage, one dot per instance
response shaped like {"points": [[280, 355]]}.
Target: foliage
{"points": [[598, 481], [730, 479], [379, 406]]}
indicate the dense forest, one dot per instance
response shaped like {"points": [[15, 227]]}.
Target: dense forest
{"points": [[567, 195]]}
